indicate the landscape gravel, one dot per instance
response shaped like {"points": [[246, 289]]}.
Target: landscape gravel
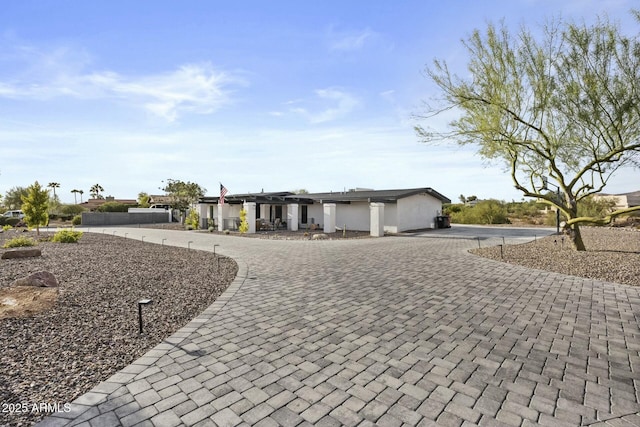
{"points": [[92, 331], [612, 255]]}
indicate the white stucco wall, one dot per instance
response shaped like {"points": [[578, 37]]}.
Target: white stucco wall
{"points": [[314, 211], [356, 216], [390, 217], [416, 212]]}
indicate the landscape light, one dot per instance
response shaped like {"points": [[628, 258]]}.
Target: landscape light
{"points": [[145, 301]]}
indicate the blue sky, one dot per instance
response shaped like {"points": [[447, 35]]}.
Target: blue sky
{"points": [[257, 95]]}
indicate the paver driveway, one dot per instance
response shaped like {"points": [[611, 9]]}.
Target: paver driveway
{"points": [[392, 331]]}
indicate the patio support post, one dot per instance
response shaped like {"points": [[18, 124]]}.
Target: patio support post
{"points": [[204, 222], [250, 207], [221, 217], [329, 217], [377, 219], [292, 217]]}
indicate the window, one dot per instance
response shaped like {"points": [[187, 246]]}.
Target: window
{"points": [[303, 214]]}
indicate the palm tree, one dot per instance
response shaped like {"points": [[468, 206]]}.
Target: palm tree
{"points": [[75, 195], [95, 191], [54, 185], [81, 193]]}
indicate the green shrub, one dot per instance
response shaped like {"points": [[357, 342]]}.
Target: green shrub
{"points": [[244, 225], [114, 207], [18, 242], [6, 227], [484, 212], [67, 236], [71, 210], [192, 220], [77, 220], [590, 206]]}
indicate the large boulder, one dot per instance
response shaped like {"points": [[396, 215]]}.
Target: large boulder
{"points": [[320, 236], [41, 279], [21, 253]]}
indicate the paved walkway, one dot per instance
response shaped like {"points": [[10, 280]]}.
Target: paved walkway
{"points": [[398, 331]]}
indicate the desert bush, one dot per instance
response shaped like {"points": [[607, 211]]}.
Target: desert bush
{"points": [[484, 212], [6, 227], [598, 208], [491, 212], [244, 225], [113, 207], [18, 242], [71, 210], [67, 236], [77, 220], [192, 220]]}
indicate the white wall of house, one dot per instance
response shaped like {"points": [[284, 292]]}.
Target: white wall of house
{"points": [[417, 211], [621, 200], [316, 212], [390, 217], [356, 216]]}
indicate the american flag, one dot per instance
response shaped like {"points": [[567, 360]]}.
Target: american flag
{"points": [[223, 192]]}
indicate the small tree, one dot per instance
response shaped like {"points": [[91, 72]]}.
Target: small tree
{"points": [[244, 224], [95, 191], [143, 199], [75, 195], [566, 107], [13, 197], [193, 219], [35, 206], [54, 185], [183, 195]]}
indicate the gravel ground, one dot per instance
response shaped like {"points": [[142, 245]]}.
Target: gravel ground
{"points": [[612, 255], [92, 332]]}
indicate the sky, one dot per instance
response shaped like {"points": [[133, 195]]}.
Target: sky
{"points": [[258, 96]]}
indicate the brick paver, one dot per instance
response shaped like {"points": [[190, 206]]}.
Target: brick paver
{"points": [[391, 331]]}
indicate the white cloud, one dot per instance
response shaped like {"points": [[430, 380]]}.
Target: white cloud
{"points": [[191, 88], [342, 102], [195, 88], [350, 41]]}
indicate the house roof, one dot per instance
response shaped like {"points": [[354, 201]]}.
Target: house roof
{"points": [[274, 198], [285, 197], [158, 199], [373, 195]]}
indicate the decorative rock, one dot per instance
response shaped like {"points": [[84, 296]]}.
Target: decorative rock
{"points": [[21, 253], [41, 279], [320, 236]]}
